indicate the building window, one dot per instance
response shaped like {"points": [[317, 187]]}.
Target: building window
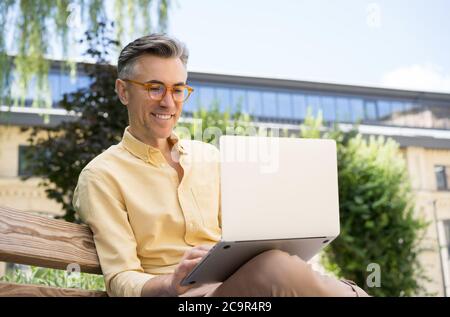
{"points": [[284, 105], [206, 97], [24, 164], [343, 111], [224, 99], [442, 180], [328, 108], [357, 109], [313, 105], [255, 107], [299, 103], [371, 110], [239, 100], [270, 104]]}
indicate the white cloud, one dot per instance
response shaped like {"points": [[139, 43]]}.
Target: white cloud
{"points": [[425, 77]]}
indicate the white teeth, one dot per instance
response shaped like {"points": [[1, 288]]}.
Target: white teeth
{"points": [[163, 116]]}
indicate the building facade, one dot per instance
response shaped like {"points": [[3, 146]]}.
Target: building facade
{"points": [[419, 121]]}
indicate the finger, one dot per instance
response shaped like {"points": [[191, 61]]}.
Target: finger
{"points": [[206, 247], [187, 266], [202, 248], [193, 254], [188, 253]]}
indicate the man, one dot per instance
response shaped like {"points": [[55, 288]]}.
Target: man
{"points": [[152, 201]]}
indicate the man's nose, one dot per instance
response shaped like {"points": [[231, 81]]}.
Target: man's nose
{"points": [[168, 101]]}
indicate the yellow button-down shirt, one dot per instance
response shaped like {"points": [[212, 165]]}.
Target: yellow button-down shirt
{"points": [[142, 217]]}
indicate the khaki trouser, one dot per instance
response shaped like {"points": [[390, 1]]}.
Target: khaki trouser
{"points": [[276, 273]]}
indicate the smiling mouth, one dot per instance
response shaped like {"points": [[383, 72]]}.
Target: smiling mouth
{"points": [[163, 116]]}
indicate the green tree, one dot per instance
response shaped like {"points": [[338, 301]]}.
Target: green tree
{"points": [[378, 226], [378, 223]]}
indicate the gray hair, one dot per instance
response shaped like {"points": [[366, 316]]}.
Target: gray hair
{"points": [[155, 44]]}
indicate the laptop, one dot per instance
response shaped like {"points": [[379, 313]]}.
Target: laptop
{"points": [[276, 193]]}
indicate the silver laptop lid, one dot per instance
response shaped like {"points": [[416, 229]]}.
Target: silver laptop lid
{"points": [[278, 188]]}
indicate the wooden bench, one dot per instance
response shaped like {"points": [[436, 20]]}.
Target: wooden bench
{"points": [[29, 239]]}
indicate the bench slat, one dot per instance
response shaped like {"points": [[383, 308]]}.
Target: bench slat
{"points": [[30, 239], [28, 290]]}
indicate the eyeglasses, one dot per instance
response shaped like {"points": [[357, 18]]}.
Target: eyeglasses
{"points": [[157, 91]]}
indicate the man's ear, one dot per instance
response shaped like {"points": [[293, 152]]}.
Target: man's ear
{"points": [[121, 91]]}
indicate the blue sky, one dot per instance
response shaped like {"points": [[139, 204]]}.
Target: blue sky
{"points": [[387, 43], [395, 43]]}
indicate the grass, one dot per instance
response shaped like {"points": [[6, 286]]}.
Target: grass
{"points": [[56, 278]]}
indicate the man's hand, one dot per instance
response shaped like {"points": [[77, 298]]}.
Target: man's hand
{"points": [[189, 260]]}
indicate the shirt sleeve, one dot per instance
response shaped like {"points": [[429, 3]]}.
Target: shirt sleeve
{"points": [[98, 203]]}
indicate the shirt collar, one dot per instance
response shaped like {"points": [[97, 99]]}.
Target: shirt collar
{"points": [[147, 152]]}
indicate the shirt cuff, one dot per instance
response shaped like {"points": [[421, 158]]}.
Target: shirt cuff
{"points": [[128, 284]]}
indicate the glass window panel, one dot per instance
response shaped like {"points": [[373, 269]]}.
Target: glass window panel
{"points": [[190, 104], [24, 164], [239, 100], [270, 104], [384, 109], [207, 97], [284, 105], [299, 106], [255, 104], [370, 110], [29, 94], [55, 86], [84, 81], [408, 106], [328, 109], [343, 110], [224, 99], [67, 83], [196, 100], [357, 109], [398, 109], [408, 117], [63, 83], [14, 89], [313, 104], [440, 118], [441, 177]]}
